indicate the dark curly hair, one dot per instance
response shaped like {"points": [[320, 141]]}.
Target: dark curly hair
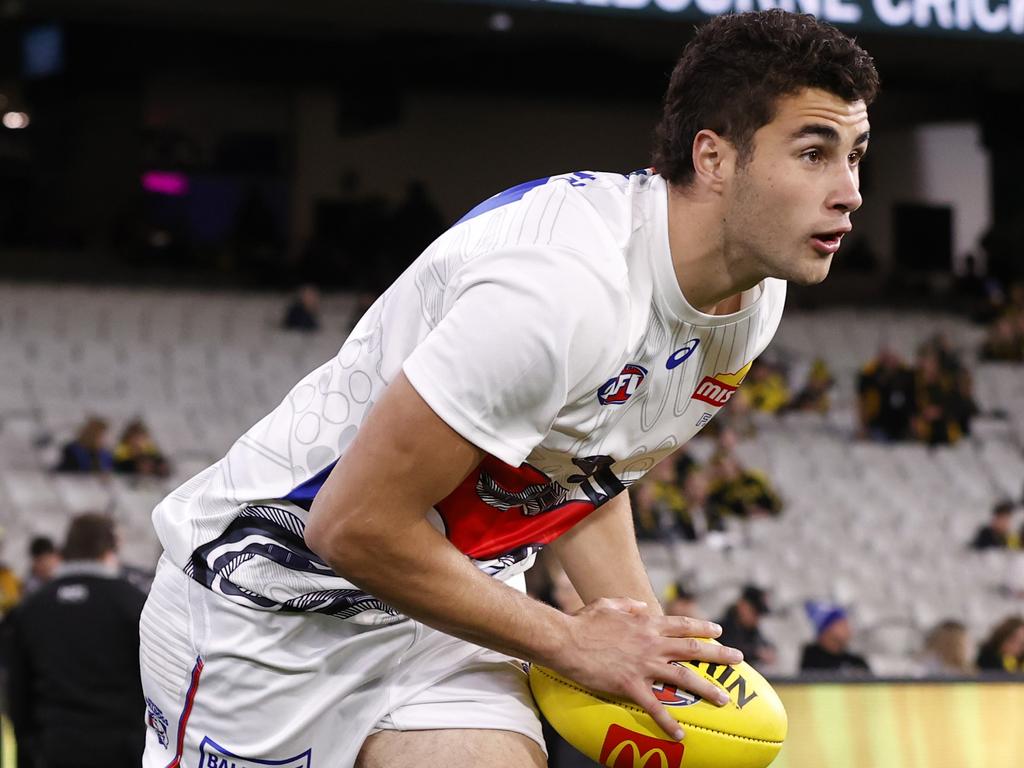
{"points": [[732, 73]]}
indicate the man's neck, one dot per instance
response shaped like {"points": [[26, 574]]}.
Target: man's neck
{"points": [[710, 277]]}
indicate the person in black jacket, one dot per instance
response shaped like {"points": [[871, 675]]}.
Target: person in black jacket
{"points": [[72, 654], [997, 533], [741, 626], [829, 652]]}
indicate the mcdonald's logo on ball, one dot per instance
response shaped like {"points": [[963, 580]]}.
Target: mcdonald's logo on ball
{"points": [[624, 748]]}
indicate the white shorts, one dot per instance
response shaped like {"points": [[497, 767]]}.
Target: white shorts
{"points": [[227, 685]]}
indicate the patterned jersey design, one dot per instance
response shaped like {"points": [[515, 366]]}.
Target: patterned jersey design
{"points": [[547, 328]]}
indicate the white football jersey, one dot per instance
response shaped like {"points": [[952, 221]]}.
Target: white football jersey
{"points": [[548, 328]]}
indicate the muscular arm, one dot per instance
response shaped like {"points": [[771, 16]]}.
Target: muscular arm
{"points": [[369, 523], [601, 558]]}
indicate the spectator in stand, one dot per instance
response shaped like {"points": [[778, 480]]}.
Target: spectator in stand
{"points": [[44, 561], [137, 454], [941, 346], [685, 463], [940, 411], [738, 492], [741, 626], [814, 396], [680, 601], [90, 450], [72, 649], [997, 533], [1003, 651], [965, 407], [947, 651], [660, 508], [10, 585], [303, 314], [830, 652], [765, 388], [696, 493], [1003, 343], [885, 395]]}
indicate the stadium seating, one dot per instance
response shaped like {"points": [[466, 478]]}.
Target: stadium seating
{"points": [[881, 529]]}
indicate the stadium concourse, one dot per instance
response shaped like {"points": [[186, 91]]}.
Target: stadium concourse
{"points": [[880, 529]]}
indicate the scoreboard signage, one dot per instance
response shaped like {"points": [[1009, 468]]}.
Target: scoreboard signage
{"points": [[972, 18]]}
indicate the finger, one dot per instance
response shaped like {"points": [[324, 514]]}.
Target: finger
{"points": [[692, 649], [688, 680], [683, 626], [660, 714]]}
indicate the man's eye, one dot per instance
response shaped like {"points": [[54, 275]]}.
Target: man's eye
{"points": [[856, 157], [813, 155]]}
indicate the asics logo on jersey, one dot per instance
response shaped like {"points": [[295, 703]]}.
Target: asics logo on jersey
{"points": [[681, 355], [718, 389], [619, 389]]}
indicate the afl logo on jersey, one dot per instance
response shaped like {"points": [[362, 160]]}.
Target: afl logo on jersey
{"points": [[619, 389], [682, 354]]}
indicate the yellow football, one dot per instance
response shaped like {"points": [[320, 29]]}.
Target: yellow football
{"points": [[746, 733]]}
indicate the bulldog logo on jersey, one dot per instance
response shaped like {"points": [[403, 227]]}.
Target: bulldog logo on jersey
{"points": [[619, 389], [718, 389]]}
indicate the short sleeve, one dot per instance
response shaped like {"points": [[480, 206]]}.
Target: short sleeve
{"points": [[525, 329]]}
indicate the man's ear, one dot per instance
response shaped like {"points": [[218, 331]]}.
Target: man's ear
{"points": [[714, 160]]}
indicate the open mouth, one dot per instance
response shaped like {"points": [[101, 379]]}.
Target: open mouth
{"points": [[827, 242]]}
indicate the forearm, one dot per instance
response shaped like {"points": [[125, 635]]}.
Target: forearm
{"points": [[423, 576], [601, 557]]}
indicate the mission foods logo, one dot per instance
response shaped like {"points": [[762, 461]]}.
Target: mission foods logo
{"points": [[624, 748], [716, 390]]}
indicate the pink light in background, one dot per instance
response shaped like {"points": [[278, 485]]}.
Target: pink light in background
{"points": [[165, 183]]}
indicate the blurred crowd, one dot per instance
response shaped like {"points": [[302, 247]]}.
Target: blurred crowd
{"points": [[683, 499], [946, 650], [931, 401], [91, 450]]}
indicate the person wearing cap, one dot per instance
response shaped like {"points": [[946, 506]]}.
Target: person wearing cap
{"points": [[741, 626], [829, 652]]}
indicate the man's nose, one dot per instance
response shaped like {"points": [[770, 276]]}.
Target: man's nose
{"points": [[846, 196]]}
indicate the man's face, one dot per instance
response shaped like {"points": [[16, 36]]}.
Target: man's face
{"points": [[747, 613], [839, 631], [792, 199], [45, 565]]}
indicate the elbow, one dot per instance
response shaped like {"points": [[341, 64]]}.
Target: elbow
{"points": [[334, 536], [325, 533]]}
